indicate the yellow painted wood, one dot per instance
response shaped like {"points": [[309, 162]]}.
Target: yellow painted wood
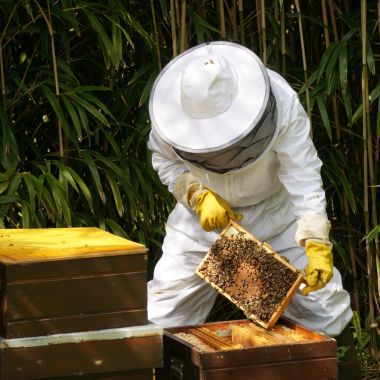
{"points": [[25, 245]]}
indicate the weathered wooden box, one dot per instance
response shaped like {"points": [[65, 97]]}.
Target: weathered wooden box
{"points": [[122, 353], [66, 280], [243, 350]]}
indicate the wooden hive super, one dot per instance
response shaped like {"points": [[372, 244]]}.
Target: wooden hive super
{"points": [[122, 353], [65, 280], [243, 350], [250, 274]]}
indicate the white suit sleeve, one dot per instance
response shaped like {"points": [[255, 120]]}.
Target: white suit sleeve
{"points": [[300, 174], [172, 171]]}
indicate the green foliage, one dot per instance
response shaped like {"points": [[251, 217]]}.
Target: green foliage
{"points": [[74, 129]]}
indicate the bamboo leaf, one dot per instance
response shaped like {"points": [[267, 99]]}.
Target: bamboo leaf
{"points": [[25, 214], [9, 149], [116, 228], [94, 100], [89, 107], [375, 93], [73, 115], [373, 234], [95, 174], [3, 187], [11, 196], [66, 68], [116, 193], [82, 185], [104, 40], [53, 101], [81, 89], [147, 89], [347, 105], [370, 58], [30, 182], [107, 162], [142, 175], [343, 66], [59, 197], [326, 59], [342, 253], [113, 143], [83, 119], [117, 40], [324, 115], [7, 174], [133, 22], [63, 171], [140, 73]]}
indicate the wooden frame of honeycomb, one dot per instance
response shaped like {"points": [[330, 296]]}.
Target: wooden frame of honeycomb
{"points": [[250, 274]]}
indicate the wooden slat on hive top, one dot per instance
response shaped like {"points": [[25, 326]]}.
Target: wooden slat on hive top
{"points": [[43, 244]]}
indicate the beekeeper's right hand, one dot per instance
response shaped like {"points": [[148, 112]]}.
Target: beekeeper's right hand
{"points": [[213, 211]]}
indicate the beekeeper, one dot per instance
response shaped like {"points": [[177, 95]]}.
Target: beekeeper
{"points": [[230, 140]]}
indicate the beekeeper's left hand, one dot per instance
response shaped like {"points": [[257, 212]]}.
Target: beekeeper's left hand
{"points": [[319, 270]]}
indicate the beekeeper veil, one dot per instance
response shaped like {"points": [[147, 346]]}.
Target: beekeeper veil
{"points": [[214, 105]]}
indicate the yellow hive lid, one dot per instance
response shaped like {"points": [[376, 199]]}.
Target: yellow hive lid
{"points": [[36, 244]]}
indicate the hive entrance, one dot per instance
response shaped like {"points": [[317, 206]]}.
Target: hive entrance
{"points": [[250, 274]]}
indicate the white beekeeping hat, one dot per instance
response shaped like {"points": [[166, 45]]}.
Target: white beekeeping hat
{"points": [[210, 98]]}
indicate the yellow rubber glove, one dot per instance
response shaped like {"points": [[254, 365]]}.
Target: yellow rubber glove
{"points": [[213, 211], [319, 270]]}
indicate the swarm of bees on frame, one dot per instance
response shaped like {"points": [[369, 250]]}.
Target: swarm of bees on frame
{"points": [[249, 274]]}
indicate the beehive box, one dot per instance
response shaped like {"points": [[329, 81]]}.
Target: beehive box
{"points": [[244, 350], [250, 274], [64, 280], [122, 353]]}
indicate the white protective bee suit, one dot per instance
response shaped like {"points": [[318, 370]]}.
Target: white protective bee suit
{"points": [[279, 193]]}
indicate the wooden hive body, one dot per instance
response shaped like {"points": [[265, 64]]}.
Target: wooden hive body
{"points": [[250, 274], [123, 353], [243, 350], [64, 280]]}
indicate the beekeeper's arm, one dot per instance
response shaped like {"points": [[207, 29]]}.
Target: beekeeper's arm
{"points": [[213, 211], [300, 174]]}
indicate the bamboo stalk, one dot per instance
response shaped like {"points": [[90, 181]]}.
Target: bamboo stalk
{"points": [[259, 26], [276, 39], [325, 24], [177, 14], [366, 131], [2, 71], [263, 31], [2, 57], [283, 43], [55, 71], [222, 20], [155, 31], [241, 21], [183, 27], [378, 15], [377, 154], [173, 28], [1, 52], [304, 64], [346, 209], [333, 20], [234, 22]]}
